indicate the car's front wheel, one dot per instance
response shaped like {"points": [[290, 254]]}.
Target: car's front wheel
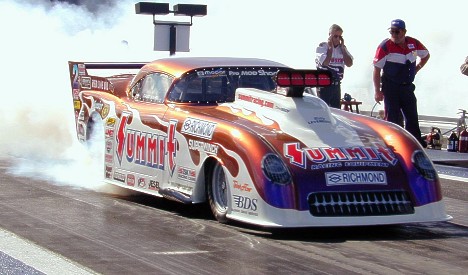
{"points": [[217, 190]]}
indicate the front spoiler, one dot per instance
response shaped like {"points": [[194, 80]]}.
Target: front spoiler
{"points": [[289, 218]]}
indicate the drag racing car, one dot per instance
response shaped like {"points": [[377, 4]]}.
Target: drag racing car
{"points": [[242, 135]]}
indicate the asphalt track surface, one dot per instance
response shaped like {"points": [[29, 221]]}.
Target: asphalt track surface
{"points": [[105, 233]]}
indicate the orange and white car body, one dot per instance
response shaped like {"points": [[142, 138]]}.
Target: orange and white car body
{"points": [[243, 135]]}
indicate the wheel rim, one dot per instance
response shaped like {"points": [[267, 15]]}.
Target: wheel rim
{"points": [[219, 187]]}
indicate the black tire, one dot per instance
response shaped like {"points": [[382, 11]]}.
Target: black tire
{"points": [[95, 138], [94, 127], [217, 191]]}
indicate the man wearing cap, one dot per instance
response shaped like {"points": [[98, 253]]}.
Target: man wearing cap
{"points": [[395, 67], [333, 56]]}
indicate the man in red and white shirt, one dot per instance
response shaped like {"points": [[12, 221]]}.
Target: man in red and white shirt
{"points": [[396, 64], [333, 56]]}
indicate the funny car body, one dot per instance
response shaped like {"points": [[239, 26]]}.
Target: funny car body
{"points": [[242, 135]]}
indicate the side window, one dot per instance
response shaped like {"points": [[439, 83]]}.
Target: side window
{"points": [[154, 87], [188, 89], [193, 88], [218, 90], [136, 91]]}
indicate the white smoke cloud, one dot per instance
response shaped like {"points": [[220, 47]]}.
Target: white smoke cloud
{"points": [[39, 37]]}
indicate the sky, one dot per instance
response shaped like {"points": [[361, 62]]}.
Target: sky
{"points": [[39, 37]]}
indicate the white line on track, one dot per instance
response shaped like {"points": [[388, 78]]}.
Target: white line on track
{"points": [[180, 252], [447, 177], [37, 257]]}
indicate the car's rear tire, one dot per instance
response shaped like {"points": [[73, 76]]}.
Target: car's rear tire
{"points": [[95, 138], [94, 128], [217, 191]]}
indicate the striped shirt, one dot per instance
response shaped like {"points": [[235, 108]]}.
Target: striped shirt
{"points": [[336, 65], [399, 64]]}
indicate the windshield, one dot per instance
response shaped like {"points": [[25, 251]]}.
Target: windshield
{"points": [[218, 85]]}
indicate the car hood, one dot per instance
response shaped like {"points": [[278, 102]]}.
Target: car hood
{"points": [[306, 119]]}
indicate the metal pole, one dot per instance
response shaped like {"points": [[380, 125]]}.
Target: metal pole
{"points": [[172, 40]]}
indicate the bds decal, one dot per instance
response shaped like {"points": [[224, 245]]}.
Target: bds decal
{"points": [[245, 205]]}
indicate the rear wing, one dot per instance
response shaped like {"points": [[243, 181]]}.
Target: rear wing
{"points": [[81, 80]]}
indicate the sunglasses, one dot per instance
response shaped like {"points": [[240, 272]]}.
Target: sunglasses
{"points": [[337, 36], [394, 32]]}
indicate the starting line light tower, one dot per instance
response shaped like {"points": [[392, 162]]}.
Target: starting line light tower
{"points": [[169, 35]]}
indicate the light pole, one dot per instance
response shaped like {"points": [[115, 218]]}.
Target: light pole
{"points": [[178, 10]]}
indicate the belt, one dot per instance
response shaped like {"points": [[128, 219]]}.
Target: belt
{"points": [[395, 82]]}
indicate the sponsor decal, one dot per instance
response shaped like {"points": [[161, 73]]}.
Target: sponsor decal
{"points": [[80, 129], [198, 128], [88, 82], [326, 166], [203, 146], [108, 158], [316, 120], [141, 182], [130, 180], [105, 111], [108, 146], [333, 157], [119, 176], [77, 104], [365, 164], [355, 177], [211, 73], [282, 109], [153, 185], [245, 203], [76, 93], [76, 76], [85, 82], [242, 187], [335, 60], [187, 174], [255, 100], [146, 149], [81, 69], [252, 73], [109, 132], [110, 122], [108, 172], [100, 84]]}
